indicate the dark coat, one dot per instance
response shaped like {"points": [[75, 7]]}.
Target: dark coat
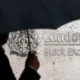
{"points": [[6, 71]]}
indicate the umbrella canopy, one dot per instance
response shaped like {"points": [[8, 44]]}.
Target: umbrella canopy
{"points": [[27, 14]]}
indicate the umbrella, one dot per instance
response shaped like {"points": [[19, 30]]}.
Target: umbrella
{"points": [[22, 14], [28, 14]]}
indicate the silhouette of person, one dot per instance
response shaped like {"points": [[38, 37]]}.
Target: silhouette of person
{"points": [[31, 66]]}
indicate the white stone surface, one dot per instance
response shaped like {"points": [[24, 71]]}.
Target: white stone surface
{"points": [[59, 67]]}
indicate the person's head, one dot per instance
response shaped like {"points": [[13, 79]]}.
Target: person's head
{"points": [[3, 38]]}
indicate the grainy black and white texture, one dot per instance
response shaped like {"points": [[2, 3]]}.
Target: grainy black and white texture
{"points": [[58, 51]]}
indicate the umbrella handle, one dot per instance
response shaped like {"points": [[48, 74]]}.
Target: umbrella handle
{"points": [[29, 43], [31, 53]]}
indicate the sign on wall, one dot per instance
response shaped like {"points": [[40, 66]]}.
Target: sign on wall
{"points": [[58, 51]]}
